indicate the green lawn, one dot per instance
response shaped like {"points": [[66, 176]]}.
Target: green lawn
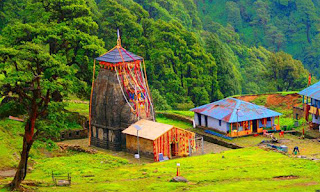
{"points": [[183, 113], [249, 169], [180, 124]]}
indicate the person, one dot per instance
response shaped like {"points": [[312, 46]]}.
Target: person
{"points": [[274, 139], [295, 150]]}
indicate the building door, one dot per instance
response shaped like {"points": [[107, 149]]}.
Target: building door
{"points": [[173, 149], [206, 120], [199, 118], [254, 126]]}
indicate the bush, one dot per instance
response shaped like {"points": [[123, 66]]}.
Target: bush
{"points": [[159, 102], [11, 108], [57, 120], [185, 106]]}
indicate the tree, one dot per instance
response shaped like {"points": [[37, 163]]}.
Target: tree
{"points": [[33, 75], [228, 76], [286, 73], [262, 13], [274, 37], [307, 14], [234, 16], [44, 58]]}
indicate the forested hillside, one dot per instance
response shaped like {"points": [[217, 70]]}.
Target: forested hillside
{"points": [[191, 59], [289, 25]]}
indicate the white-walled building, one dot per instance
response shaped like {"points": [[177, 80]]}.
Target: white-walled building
{"points": [[236, 117]]}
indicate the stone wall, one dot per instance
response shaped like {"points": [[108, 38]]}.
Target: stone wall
{"points": [[74, 134], [145, 146]]}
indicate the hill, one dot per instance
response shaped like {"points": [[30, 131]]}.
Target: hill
{"points": [[288, 25], [189, 62]]}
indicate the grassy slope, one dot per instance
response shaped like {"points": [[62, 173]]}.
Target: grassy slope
{"points": [[249, 169], [81, 108], [181, 124], [10, 142], [183, 113]]}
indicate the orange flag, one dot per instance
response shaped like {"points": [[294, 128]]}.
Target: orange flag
{"points": [[309, 80]]}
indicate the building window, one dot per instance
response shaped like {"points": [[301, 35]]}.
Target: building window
{"points": [[269, 119], [220, 123]]}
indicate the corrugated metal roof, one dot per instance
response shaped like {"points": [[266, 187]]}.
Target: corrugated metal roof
{"points": [[226, 110], [114, 56], [150, 130], [313, 91]]}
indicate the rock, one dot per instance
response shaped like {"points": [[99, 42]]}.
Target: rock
{"points": [[144, 173], [8, 173], [155, 171], [179, 179], [30, 168], [63, 183]]}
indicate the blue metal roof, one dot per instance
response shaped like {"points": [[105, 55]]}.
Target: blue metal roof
{"points": [[114, 56], [226, 110], [313, 91]]}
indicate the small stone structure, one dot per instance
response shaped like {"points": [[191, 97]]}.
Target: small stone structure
{"points": [[74, 134], [298, 112]]}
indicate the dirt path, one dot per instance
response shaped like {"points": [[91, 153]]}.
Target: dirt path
{"points": [[211, 148], [7, 173], [208, 148]]}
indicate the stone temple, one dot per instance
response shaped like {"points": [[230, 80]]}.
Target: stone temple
{"points": [[120, 97]]}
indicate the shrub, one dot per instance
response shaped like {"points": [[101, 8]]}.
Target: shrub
{"points": [[11, 108]]}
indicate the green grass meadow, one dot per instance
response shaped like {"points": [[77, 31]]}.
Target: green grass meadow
{"points": [[177, 123], [248, 169]]}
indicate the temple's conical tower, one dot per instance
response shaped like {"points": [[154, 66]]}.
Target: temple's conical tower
{"points": [[120, 96]]}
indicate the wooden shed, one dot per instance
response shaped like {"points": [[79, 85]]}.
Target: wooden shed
{"points": [[155, 138]]}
